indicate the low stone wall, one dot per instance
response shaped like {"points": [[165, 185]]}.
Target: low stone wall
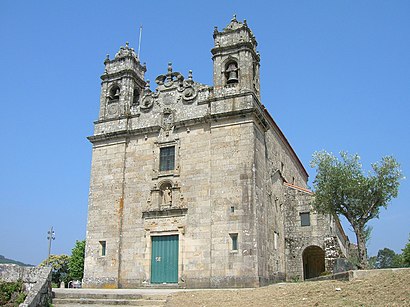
{"points": [[355, 274], [359, 274], [36, 280]]}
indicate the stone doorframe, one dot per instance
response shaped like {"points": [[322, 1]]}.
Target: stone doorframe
{"points": [[313, 259]]}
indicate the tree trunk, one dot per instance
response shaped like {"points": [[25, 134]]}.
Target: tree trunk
{"points": [[361, 247]]}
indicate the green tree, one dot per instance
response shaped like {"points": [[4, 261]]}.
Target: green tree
{"points": [[398, 261], [76, 264], [341, 187], [371, 262], [406, 254], [387, 258], [59, 264]]}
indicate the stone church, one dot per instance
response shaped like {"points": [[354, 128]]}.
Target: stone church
{"points": [[195, 185]]}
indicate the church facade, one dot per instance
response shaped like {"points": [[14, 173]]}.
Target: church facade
{"points": [[195, 185]]}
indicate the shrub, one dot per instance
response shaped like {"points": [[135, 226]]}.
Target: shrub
{"points": [[12, 293]]}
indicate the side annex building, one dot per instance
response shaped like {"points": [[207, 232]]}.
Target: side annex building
{"points": [[195, 185]]}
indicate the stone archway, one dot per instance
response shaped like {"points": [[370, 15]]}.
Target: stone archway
{"points": [[313, 261]]}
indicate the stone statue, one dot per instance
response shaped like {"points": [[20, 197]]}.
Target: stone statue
{"points": [[167, 196]]}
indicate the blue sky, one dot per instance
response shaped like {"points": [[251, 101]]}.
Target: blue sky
{"points": [[334, 75]]}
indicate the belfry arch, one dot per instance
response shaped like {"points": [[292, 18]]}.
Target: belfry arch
{"points": [[313, 261]]}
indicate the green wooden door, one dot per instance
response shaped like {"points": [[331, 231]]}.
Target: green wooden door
{"points": [[164, 259]]}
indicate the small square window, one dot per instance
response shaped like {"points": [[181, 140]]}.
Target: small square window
{"points": [[305, 219], [103, 247], [234, 241], [167, 158]]}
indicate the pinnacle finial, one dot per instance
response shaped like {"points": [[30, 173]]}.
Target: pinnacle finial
{"points": [[127, 44], [234, 17], [170, 67]]}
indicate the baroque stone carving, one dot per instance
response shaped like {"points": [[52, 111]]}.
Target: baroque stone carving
{"points": [[167, 196], [174, 88], [167, 119], [112, 109], [169, 98], [147, 103], [169, 79], [147, 100], [189, 94]]}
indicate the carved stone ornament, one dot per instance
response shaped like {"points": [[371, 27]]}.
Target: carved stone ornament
{"points": [[146, 103], [134, 109], [173, 88], [189, 93], [112, 109], [164, 197], [170, 78], [169, 98], [167, 119]]}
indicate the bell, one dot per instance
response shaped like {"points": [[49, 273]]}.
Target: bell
{"points": [[232, 76], [117, 93], [232, 73]]}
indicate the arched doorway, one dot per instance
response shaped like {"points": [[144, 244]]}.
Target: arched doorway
{"points": [[313, 262]]}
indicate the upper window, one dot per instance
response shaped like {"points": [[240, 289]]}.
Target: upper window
{"points": [[114, 93], [305, 219], [167, 158]]}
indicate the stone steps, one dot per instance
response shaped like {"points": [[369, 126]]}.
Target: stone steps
{"points": [[83, 298], [98, 304], [105, 302]]}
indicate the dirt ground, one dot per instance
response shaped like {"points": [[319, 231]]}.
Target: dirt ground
{"points": [[387, 288]]}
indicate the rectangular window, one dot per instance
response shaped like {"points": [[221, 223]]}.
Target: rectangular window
{"points": [[234, 239], [167, 158], [232, 209], [305, 219], [103, 245]]}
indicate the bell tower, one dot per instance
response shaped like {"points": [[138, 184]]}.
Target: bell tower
{"points": [[236, 61], [122, 84]]}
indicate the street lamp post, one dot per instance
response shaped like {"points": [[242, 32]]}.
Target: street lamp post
{"points": [[50, 236]]}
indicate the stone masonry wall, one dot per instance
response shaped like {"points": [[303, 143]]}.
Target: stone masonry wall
{"points": [[321, 233], [274, 164], [36, 280]]}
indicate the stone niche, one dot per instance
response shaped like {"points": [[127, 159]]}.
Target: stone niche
{"points": [[165, 199]]}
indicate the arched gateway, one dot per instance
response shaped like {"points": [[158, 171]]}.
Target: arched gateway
{"points": [[313, 262]]}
